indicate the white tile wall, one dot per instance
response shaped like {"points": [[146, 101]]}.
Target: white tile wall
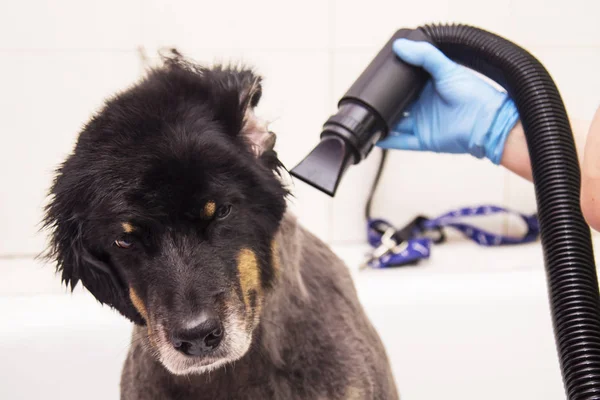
{"points": [[555, 22], [60, 59], [70, 25], [45, 99], [369, 25], [257, 24]]}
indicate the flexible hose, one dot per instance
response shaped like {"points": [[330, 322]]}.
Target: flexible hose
{"points": [[566, 240]]}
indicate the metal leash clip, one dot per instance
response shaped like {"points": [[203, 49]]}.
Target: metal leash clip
{"points": [[388, 245]]}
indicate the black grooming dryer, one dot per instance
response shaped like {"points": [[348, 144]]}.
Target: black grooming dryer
{"points": [[376, 101]]}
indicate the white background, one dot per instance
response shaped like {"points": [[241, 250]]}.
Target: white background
{"points": [[59, 60]]}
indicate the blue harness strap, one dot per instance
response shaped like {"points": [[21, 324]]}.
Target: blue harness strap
{"points": [[412, 243]]}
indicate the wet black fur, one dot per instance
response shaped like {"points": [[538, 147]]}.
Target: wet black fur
{"points": [[153, 156]]}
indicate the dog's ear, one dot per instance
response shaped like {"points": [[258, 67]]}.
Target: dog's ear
{"points": [[256, 132], [238, 92], [235, 93], [76, 260]]}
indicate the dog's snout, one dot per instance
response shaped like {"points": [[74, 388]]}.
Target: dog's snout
{"points": [[199, 336]]}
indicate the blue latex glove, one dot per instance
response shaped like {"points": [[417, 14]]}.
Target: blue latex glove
{"points": [[457, 112]]}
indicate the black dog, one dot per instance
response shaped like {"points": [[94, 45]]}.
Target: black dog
{"points": [[170, 210]]}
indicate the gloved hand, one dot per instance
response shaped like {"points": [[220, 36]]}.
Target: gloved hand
{"points": [[457, 112]]}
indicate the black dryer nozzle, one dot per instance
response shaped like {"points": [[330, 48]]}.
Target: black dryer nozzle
{"points": [[325, 165], [374, 102]]}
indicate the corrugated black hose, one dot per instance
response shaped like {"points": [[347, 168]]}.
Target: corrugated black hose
{"points": [[566, 240]]}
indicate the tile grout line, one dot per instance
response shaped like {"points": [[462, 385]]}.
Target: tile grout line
{"points": [[331, 64], [18, 256]]}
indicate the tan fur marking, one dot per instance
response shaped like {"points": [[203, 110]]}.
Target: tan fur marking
{"points": [[141, 308], [275, 260], [138, 304], [127, 227], [209, 210], [353, 393], [248, 273], [151, 338]]}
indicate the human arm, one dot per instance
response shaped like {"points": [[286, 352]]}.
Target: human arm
{"points": [[458, 112], [590, 175], [515, 157]]}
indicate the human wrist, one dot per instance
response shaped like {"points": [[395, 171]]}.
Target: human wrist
{"points": [[516, 154], [505, 120]]}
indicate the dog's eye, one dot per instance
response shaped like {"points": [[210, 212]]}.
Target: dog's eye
{"points": [[123, 243], [223, 211]]}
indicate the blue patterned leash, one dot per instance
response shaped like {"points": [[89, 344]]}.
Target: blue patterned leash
{"points": [[394, 248]]}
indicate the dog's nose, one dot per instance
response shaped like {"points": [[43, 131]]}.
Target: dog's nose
{"points": [[200, 336]]}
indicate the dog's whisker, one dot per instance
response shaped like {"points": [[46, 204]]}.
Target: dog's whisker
{"points": [[273, 324]]}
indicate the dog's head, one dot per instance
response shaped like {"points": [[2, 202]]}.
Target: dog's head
{"points": [[167, 210]]}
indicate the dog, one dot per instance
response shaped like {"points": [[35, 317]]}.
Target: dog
{"points": [[171, 209]]}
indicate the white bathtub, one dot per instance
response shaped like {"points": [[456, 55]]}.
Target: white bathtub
{"points": [[472, 323]]}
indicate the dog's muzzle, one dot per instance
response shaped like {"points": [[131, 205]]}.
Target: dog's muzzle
{"points": [[200, 337]]}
